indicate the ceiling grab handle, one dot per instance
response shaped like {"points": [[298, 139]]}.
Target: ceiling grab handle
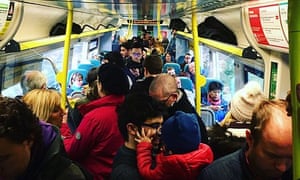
{"points": [[196, 57]]}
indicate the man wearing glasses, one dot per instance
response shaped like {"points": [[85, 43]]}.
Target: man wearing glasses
{"points": [[130, 122], [135, 61], [164, 89]]}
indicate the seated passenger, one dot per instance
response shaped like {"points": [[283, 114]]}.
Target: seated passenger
{"points": [[187, 60], [31, 149], [168, 58], [183, 154], [191, 72], [215, 101], [268, 154], [76, 83], [230, 134], [33, 80], [190, 94], [46, 105]]}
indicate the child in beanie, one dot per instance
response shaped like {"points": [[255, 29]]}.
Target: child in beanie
{"points": [[183, 154]]}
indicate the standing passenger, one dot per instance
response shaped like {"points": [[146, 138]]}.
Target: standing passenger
{"points": [[46, 105], [268, 154], [152, 67], [135, 61], [97, 138], [131, 121], [29, 148], [125, 49], [164, 89]]}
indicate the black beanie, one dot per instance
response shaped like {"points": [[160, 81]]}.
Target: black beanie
{"points": [[113, 79]]}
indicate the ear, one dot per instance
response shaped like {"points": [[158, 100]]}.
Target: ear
{"points": [[131, 128], [28, 143], [249, 138]]}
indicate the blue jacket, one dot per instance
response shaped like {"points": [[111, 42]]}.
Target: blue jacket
{"points": [[219, 115]]}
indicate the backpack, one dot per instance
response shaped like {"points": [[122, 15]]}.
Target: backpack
{"points": [[60, 29], [178, 24], [212, 28], [222, 142], [74, 116]]}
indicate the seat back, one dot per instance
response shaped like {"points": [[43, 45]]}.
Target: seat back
{"points": [[180, 59], [175, 66], [85, 66], [95, 62], [208, 116], [186, 83], [186, 68]]}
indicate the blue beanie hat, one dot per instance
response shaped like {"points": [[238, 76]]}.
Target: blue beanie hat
{"points": [[181, 133], [113, 79]]}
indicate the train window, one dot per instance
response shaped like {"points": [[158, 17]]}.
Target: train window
{"points": [[218, 65], [56, 56]]}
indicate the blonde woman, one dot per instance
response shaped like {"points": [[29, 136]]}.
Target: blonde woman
{"points": [[46, 105]]}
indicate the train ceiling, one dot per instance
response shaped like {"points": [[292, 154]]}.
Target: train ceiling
{"points": [[138, 9]]}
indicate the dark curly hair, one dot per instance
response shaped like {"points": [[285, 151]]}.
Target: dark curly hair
{"points": [[128, 113], [17, 122]]}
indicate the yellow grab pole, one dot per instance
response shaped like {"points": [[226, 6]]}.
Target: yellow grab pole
{"points": [[196, 56], [62, 77], [158, 19]]}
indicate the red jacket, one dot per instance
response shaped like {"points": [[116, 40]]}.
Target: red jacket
{"points": [[177, 166], [97, 138]]}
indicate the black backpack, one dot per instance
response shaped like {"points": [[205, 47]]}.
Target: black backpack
{"points": [[212, 28], [60, 29], [178, 24]]}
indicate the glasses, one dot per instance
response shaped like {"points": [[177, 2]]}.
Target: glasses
{"points": [[165, 100], [156, 126], [136, 54]]}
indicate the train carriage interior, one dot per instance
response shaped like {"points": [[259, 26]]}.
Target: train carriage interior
{"points": [[232, 46], [231, 41]]}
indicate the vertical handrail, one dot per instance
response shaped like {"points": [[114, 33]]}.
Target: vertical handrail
{"points": [[294, 57], [66, 53], [158, 8], [196, 56]]}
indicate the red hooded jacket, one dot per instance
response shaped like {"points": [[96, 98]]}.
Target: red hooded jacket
{"points": [[177, 166]]}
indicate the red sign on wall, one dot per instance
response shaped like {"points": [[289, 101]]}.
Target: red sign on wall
{"points": [[269, 24]]}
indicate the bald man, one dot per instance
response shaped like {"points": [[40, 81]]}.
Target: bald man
{"points": [[164, 89], [268, 154]]}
